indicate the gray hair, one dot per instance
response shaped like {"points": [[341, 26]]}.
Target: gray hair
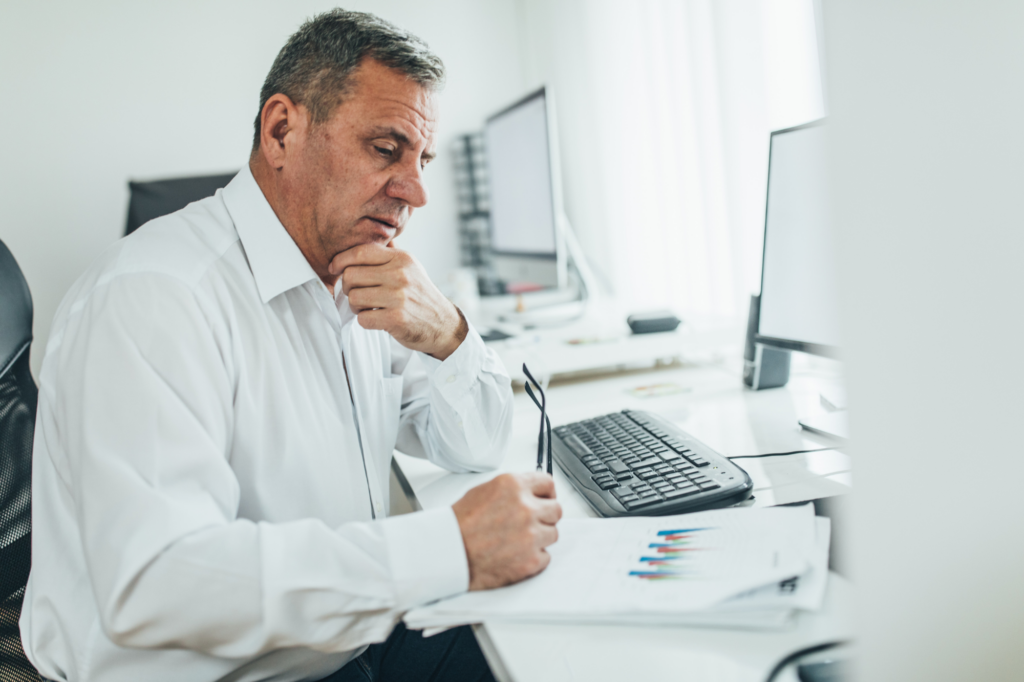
{"points": [[315, 66]]}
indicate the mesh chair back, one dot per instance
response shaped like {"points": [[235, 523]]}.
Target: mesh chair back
{"points": [[18, 396]]}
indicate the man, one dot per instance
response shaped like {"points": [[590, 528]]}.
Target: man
{"points": [[222, 392]]}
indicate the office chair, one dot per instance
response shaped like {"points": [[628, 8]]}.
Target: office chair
{"points": [[17, 421], [154, 199]]}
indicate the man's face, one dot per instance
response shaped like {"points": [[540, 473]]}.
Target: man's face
{"points": [[361, 173]]}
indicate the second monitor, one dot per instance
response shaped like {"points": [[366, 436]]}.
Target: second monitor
{"points": [[526, 195]]}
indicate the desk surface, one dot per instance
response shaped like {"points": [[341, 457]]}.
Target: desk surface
{"points": [[712, 405]]}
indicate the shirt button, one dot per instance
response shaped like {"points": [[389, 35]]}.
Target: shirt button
{"points": [[451, 378]]}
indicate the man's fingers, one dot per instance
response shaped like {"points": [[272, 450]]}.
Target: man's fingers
{"points": [[549, 512], [362, 298], [543, 560], [362, 254], [541, 485], [379, 318], [545, 536], [361, 276]]}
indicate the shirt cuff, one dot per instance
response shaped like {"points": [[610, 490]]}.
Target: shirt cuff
{"points": [[455, 375], [427, 556]]}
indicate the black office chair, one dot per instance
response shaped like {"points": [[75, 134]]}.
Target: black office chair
{"points": [[17, 421], [153, 199]]}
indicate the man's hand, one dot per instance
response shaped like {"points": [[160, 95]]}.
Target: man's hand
{"points": [[388, 289], [506, 525]]}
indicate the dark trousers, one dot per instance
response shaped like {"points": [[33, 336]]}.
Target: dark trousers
{"points": [[407, 656]]}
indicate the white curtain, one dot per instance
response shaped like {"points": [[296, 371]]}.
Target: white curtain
{"points": [[665, 109]]}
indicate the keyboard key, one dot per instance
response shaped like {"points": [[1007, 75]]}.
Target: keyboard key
{"points": [[576, 445], [621, 491], [642, 502], [625, 477], [618, 467], [709, 485], [599, 468], [650, 461], [699, 461], [606, 484], [676, 494], [647, 493], [646, 474]]}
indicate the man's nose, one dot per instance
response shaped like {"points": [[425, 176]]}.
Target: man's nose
{"points": [[408, 185]]}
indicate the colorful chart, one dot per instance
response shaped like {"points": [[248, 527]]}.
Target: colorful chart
{"points": [[669, 556]]}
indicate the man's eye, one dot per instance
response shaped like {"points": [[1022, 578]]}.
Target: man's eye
{"points": [[384, 151]]}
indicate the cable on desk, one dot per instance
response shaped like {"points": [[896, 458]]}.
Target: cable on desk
{"points": [[779, 454], [800, 653]]}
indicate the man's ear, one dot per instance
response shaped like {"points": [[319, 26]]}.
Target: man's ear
{"points": [[283, 125]]}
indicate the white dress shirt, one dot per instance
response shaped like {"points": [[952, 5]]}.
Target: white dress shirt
{"points": [[209, 498]]}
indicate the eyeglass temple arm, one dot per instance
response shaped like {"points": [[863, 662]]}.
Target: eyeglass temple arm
{"points": [[540, 436], [545, 420]]}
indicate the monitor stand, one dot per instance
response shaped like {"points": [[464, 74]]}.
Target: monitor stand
{"points": [[550, 307]]}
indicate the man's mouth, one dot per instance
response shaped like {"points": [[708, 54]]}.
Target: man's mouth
{"points": [[386, 222]]}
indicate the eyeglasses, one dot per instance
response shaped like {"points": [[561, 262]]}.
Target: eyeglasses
{"points": [[544, 421]]}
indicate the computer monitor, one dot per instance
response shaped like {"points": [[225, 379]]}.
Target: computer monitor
{"points": [[799, 287], [526, 195]]}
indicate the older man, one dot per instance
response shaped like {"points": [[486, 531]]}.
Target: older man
{"points": [[222, 392]]}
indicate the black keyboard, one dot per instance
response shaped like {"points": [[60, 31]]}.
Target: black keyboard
{"points": [[633, 463]]}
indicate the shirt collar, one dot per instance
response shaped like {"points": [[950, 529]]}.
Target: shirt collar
{"points": [[276, 262]]}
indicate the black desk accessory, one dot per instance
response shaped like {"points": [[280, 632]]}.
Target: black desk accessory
{"points": [[649, 323]]}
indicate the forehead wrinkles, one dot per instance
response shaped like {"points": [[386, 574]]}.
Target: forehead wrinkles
{"points": [[417, 119]]}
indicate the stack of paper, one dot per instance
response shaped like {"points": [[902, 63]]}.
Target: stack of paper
{"points": [[732, 568]]}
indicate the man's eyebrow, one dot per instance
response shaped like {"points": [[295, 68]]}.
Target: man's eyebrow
{"points": [[401, 138]]}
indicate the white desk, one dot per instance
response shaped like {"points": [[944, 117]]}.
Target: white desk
{"points": [[714, 407]]}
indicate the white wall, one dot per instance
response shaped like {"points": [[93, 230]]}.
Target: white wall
{"points": [[97, 93], [927, 111]]}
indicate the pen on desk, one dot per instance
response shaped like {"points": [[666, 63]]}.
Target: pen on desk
{"points": [[544, 421]]}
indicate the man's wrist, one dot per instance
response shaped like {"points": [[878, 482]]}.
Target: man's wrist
{"points": [[456, 339]]}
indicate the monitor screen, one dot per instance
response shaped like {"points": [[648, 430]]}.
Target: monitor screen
{"points": [[799, 286], [519, 170]]}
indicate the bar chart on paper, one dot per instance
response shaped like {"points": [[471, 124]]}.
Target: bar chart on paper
{"points": [[671, 554]]}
